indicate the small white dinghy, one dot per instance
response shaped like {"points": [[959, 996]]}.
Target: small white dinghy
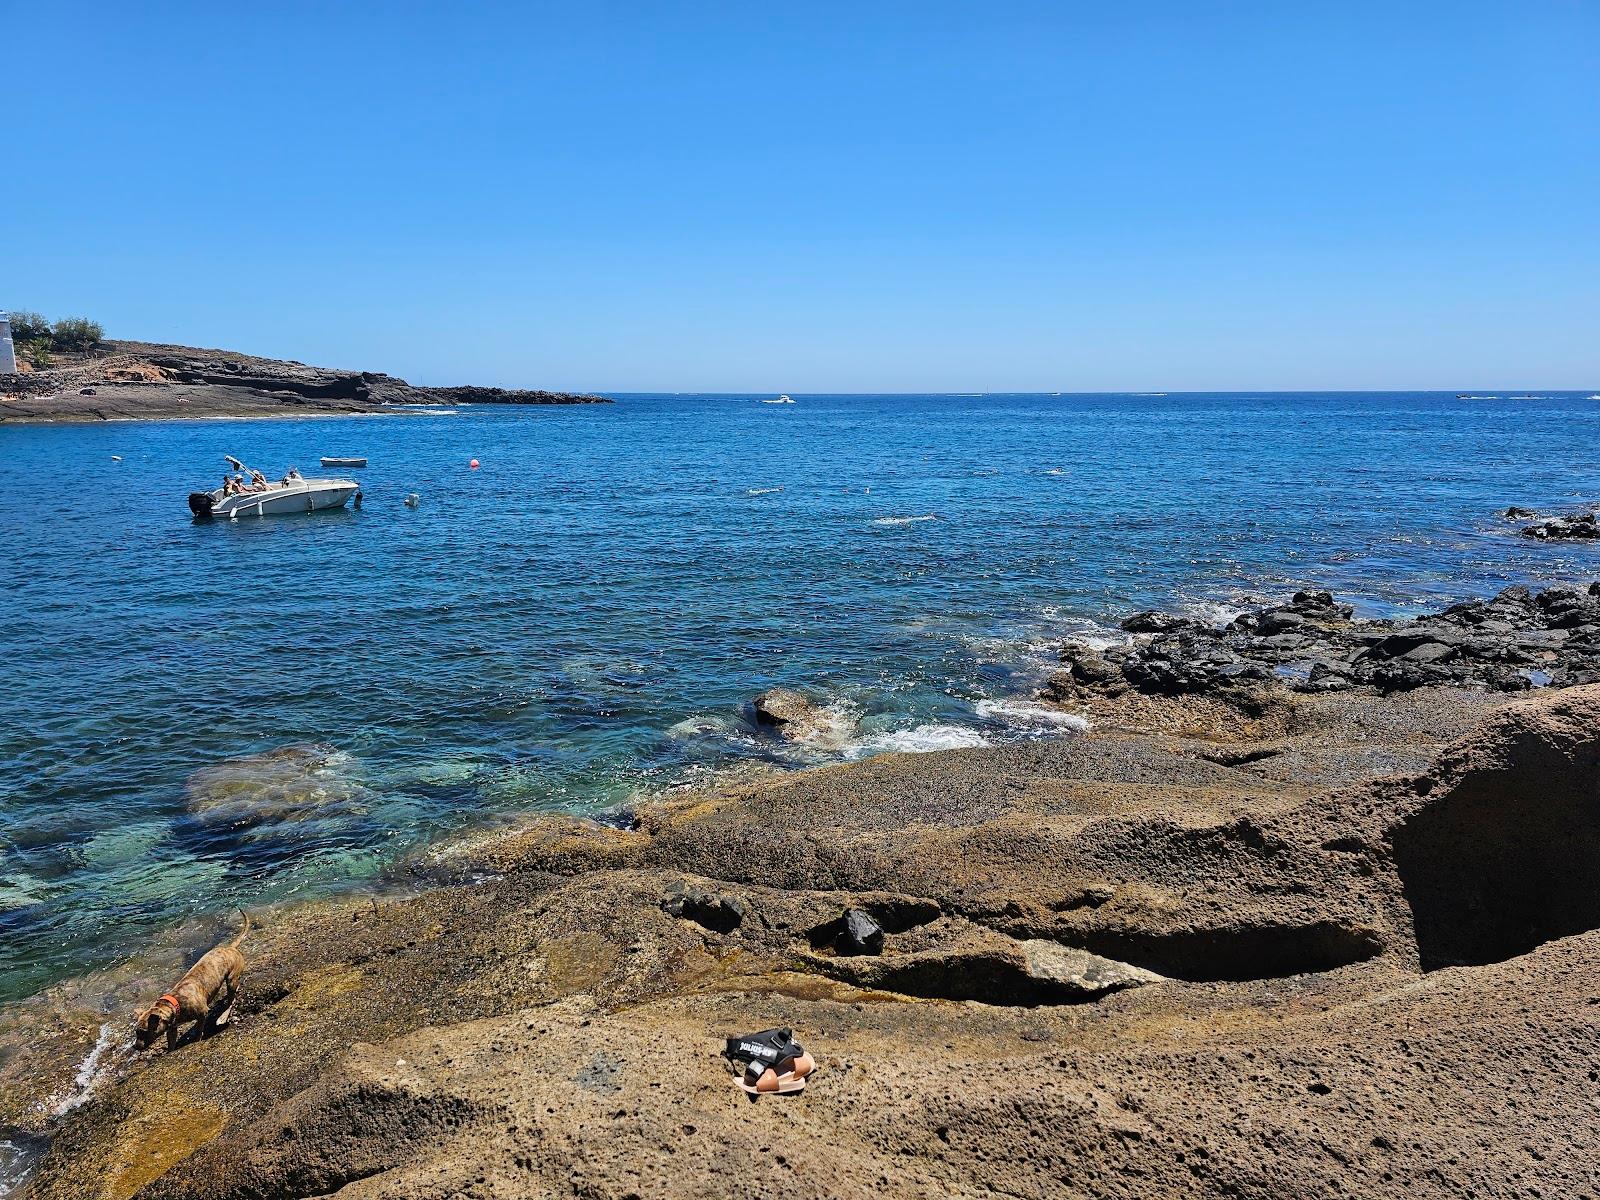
{"points": [[343, 462], [250, 494]]}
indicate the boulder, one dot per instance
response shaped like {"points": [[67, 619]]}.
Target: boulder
{"points": [[1034, 972], [1079, 973], [780, 707], [859, 934], [718, 913], [795, 718]]}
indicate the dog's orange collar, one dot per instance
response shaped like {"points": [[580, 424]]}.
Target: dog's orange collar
{"points": [[172, 1000]]}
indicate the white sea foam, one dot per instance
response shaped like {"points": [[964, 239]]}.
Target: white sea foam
{"points": [[1030, 712], [834, 729], [922, 739], [84, 1083], [904, 520], [704, 725], [766, 491], [1063, 627], [1213, 612]]}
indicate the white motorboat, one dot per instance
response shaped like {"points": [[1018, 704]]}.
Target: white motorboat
{"points": [[779, 400], [252, 495], [343, 462]]}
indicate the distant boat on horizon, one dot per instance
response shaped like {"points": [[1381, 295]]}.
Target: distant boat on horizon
{"points": [[779, 400]]}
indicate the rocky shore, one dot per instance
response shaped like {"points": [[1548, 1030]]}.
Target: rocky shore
{"points": [[1577, 527], [1250, 936], [146, 381], [1517, 640]]}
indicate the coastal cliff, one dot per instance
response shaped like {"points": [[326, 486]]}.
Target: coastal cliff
{"points": [[1336, 942], [141, 380]]}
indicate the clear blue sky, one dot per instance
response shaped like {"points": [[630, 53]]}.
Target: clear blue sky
{"points": [[819, 196]]}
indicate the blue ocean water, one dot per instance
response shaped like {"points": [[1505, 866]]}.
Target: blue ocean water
{"points": [[194, 716]]}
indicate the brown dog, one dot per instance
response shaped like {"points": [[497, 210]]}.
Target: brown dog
{"points": [[210, 986]]}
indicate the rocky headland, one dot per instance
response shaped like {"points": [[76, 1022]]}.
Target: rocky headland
{"points": [[146, 381], [1252, 935]]}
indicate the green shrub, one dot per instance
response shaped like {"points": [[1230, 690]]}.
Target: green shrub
{"points": [[28, 327], [36, 352], [76, 333]]}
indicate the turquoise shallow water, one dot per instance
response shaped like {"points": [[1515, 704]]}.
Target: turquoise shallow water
{"points": [[579, 622]]}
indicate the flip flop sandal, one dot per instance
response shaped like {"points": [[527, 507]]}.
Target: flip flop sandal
{"points": [[786, 1078], [770, 1083], [799, 1066]]}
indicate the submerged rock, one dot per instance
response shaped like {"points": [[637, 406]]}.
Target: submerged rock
{"points": [[289, 784]]}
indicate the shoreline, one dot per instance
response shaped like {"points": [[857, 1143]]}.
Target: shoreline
{"points": [[572, 918], [153, 381], [406, 410]]}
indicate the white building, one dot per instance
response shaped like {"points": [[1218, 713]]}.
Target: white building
{"points": [[8, 353]]}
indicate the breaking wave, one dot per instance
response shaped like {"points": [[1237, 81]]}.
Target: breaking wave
{"points": [[1030, 713], [921, 739]]}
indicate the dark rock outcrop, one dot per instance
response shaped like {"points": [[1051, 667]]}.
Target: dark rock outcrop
{"points": [[718, 913], [1512, 642], [858, 934], [1581, 527]]}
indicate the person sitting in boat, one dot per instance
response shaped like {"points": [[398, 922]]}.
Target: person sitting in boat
{"points": [[230, 485], [258, 481]]}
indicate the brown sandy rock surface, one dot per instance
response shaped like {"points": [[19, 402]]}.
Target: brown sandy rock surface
{"points": [[1116, 965]]}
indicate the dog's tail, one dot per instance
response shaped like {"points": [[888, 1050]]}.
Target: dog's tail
{"points": [[243, 929]]}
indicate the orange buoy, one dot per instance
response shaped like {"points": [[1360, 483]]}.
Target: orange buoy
{"points": [[473, 464]]}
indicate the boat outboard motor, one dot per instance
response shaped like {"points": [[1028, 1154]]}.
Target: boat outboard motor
{"points": [[200, 503]]}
